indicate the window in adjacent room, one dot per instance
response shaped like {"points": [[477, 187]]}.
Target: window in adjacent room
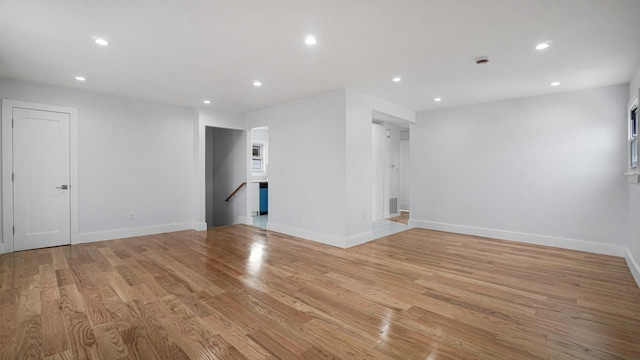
{"points": [[257, 160]]}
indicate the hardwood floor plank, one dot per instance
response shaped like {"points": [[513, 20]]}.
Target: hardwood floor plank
{"points": [[81, 335], [65, 355], [64, 277], [329, 338], [49, 283], [111, 257], [191, 336], [155, 332], [240, 292], [59, 258], [110, 343], [236, 336], [30, 305], [138, 344], [53, 330], [8, 328], [272, 346], [29, 340]]}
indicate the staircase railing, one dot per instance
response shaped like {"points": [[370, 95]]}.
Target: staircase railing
{"points": [[235, 191]]}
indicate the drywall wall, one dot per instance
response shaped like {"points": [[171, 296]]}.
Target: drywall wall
{"points": [[544, 169], [225, 170], [377, 173], [634, 85], [404, 196], [633, 202], [320, 165], [135, 156], [306, 166], [359, 114]]}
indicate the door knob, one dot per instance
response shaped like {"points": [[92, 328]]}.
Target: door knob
{"points": [[63, 187]]}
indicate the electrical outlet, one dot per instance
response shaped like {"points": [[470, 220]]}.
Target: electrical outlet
{"points": [[132, 216]]}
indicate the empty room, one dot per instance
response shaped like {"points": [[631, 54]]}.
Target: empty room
{"points": [[302, 179]]}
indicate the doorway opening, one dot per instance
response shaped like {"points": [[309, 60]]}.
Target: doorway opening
{"points": [[224, 176], [259, 180], [390, 176], [404, 179]]}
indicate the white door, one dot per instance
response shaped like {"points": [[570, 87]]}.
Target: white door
{"points": [[41, 196]]}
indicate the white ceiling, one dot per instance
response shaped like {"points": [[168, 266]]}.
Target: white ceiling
{"points": [[182, 52]]}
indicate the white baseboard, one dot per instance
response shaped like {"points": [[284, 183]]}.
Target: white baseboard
{"points": [[328, 239], [633, 266], [307, 234], [244, 220], [359, 239], [132, 232], [565, 243], [199, 226]]}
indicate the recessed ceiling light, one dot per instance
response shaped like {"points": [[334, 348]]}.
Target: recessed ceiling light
{"points": [[102, 42], [207, 101], [81, 78], [310, 40], [555, 83], [542, 46], [397, 79], [257, 83], [437, 99]]}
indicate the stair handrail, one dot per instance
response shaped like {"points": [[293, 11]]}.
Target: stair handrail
{"points": [[235, 191]]}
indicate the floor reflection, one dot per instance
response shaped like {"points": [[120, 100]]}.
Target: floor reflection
{"points": [[255, 259]]}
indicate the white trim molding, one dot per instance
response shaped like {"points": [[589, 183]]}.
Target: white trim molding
{"points": [[359, 239], [565, 243], [133, 232], [633, 177], [7, 166], [199, 226], [324, 238], [244, 220], [633, 266], [327, 239]]}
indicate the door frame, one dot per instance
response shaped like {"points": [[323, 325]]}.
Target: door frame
{"points": [[7, 167]]}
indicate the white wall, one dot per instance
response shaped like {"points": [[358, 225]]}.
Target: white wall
{"points": [[359, 113], [306, 166], [377, 173], [320, 165], [633, 203], [405, 174], [225, 170], [545, 170], [134, 156]]}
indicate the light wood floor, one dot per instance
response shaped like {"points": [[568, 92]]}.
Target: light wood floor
{"points": [[403, 218], [240, 292]]}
